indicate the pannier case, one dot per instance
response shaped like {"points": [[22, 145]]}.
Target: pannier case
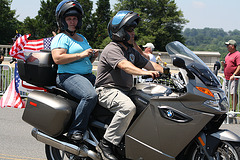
{"points": [[38, 69], [50, 113]]}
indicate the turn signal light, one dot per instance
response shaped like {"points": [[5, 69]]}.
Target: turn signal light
{"points": [[205, 90]]}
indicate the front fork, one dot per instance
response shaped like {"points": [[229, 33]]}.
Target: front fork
{"points": [[201, 140]]}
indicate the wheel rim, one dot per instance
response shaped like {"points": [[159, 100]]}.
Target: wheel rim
{"points": [[198, 154], [56, 154], [225, 151]]}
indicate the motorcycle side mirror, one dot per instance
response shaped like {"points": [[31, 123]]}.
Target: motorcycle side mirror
{"points": [[179, 62], [216, 67]]}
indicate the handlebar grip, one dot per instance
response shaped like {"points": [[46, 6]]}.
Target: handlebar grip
{"points": [[146, 76], [166, 73]]}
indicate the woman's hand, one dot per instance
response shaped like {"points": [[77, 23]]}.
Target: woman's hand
{"points": [[86, 53], [95, 53]]}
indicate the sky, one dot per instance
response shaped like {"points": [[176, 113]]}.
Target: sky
{"points": [[200, 13]]}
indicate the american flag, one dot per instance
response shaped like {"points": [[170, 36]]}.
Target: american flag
{"points": [[12, 98], [39, 44], [16, 50]]}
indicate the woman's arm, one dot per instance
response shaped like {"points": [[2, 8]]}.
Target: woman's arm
{"points": [[60, 55]]}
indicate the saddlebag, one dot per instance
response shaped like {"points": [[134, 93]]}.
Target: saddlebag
{"points": [[38, 69], [50, 113]]}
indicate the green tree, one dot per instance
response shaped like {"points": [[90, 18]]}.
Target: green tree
{"points": [[87, 25], [210, 39], [46, 20], [161, 23], [9, 22], [101, 19], [29, 26]]}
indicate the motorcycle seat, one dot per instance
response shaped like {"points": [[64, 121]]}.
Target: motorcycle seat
{"points": [[58, 91]]}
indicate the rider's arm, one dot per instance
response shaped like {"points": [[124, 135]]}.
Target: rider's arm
{"points": [[153, 66], [140, 50], [129, 68]]}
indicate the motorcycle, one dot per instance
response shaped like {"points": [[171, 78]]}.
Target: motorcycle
{"points": [[178, 115]]}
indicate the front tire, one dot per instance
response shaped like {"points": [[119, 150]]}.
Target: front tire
{"points": [[56, 154], [225, 151]]}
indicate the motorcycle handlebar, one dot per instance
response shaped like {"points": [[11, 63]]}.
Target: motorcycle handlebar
{"points": [[165, 74], [146, 76]]}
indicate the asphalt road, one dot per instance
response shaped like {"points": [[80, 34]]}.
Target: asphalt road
{"points": [[17, 143]]}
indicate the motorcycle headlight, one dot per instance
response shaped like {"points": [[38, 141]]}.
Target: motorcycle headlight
{"points": [[220, 103]]}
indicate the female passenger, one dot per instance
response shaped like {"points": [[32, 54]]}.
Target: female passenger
{"points": [[74, 56]]}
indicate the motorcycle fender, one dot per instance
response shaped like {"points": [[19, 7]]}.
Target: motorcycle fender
{"points": [[226, 135]]}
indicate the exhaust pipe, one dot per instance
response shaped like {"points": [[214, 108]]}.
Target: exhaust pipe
{"points": [[64, 146]]}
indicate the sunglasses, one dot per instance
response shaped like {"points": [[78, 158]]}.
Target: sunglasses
{"points": [[129, 29]]}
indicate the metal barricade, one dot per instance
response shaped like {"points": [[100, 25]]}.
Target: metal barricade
{"points": [[223, 82], [6, 74], [231, 99]]}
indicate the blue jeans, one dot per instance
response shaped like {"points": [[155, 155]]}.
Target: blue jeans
{"points": [[80, 87]]}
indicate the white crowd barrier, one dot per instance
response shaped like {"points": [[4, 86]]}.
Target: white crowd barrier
{"points": [[6, 77], [6, 74], [231, 99]]}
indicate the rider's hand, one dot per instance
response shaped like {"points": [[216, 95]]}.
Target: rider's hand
{"points": [[153, 74]]}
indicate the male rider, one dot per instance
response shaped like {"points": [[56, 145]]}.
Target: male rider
{"points": [[117, 65]]}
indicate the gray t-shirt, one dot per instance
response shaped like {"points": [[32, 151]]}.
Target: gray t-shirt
{"points": [[109, 75]]}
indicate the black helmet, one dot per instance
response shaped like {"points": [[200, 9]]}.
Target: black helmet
{"points": [[118, 24], [68, 8]]}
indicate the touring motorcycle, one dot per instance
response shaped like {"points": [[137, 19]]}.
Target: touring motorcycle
{"points": [[178, 114]]}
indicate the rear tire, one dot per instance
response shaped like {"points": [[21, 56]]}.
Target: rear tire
{"points": [[225, 151], [56, 154]]}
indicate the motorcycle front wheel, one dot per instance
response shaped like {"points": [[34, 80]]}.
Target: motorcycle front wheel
{"points": [[225, 151], [56, 154]]}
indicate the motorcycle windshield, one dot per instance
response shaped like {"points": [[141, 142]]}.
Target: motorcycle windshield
{"points": [[193, 63]]}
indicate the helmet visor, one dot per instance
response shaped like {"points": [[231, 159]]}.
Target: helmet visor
{"points": [[72, 12], [119, 17]]}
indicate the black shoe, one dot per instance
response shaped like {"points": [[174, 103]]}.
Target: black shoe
{"points": [[105, 149], [76, 137]]}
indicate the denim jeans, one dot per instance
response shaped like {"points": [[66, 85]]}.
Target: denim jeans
{"points": [[80, 87]]}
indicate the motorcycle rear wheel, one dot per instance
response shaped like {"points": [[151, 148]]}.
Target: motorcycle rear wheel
{"points": [[225, 151], [56, 154]]}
